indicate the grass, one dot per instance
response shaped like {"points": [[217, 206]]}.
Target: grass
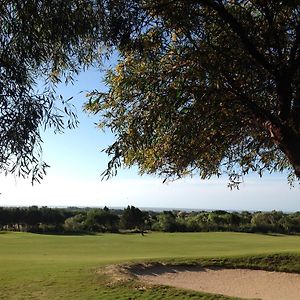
{"points": [[36, 266]]}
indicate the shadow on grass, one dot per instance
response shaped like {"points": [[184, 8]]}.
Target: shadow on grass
{"points": [[85, 233], [90, 233], [133, 232], [69, 233], [272, 234], [160, 269]]}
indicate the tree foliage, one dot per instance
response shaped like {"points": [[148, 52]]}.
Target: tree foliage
{"points": [[133, 218], [41, 44], [102, 220], [204, 86]]}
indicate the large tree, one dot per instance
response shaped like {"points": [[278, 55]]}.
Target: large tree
{"points": [[207, 86]]}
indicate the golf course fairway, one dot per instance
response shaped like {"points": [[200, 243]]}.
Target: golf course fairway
{"points": [[35, 266]]}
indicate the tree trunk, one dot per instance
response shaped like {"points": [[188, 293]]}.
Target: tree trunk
{"points": [[292, 152], [289, 143]]}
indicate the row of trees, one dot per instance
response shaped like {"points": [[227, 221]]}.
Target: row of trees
{"points": [[105, 220], [33, 218], [262, 222], [77, 220], [44, 219]]}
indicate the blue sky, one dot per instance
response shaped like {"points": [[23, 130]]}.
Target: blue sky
{"points": [[77, 161]]}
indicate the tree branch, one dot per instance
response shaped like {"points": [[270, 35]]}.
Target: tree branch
{"points": [[294, 60], [239, 31], [257, 111], [269, 16]]}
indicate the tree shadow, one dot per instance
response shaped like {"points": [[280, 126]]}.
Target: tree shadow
{"points": [[69, 233], [271, 234], [160, 269], [131, 232]]}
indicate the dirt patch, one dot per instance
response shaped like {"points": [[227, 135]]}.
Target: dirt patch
{"points": [[249, 284], [114, 274]]}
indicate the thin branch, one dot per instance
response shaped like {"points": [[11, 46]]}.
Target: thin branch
{"points": [[245, 100], [294, 60], [239, 31], [269, 16]]}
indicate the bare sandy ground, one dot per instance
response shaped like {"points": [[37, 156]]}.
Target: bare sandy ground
{"points": [[249, 284]]}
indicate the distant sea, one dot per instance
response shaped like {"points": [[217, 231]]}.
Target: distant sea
{"points": [[160, 209], [154, 209]]}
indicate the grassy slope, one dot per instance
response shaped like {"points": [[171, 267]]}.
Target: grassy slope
{"points": [[63, 267]]}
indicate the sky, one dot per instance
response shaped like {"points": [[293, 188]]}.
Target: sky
{"points": [[76, 160]]}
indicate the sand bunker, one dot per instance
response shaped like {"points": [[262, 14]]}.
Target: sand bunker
{"points": [[249, 284]]}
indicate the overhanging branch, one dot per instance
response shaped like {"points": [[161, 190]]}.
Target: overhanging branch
{"points": [[294, 61], [245, 100], [239, 31]]}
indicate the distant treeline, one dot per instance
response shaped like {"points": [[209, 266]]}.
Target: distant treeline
{"points": [[79, 220]]}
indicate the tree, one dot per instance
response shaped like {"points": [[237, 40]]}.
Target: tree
{"points": [[166, 221], [199, 222], [204, 86], [3, 217], [267, 221], [33, 217], [102, 220], [132, 218], [42, 43], [207, 86], [74, 224], [291, 223]]}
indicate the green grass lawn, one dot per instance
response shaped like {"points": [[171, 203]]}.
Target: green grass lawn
{"points": [[36, 266]]}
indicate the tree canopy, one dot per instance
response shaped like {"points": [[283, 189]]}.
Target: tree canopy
{"points": [[41, 44], [201, 86], [205, 86]]}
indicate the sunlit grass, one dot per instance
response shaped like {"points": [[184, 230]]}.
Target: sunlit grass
{"points": [[63, 267]]}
